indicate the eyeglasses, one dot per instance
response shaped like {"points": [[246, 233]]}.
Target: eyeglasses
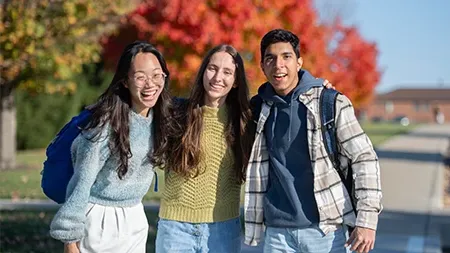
{"points": [[156, 78]]}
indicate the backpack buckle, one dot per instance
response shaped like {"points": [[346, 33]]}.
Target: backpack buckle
{"points": [[329, 124]]}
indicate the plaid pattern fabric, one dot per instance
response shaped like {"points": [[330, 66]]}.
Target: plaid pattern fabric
{"points": [[333, 201]]}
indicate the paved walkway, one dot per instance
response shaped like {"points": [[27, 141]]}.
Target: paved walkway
{"points": [[411, 169], [412, 179]]}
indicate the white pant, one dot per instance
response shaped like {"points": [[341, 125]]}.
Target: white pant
{"points": [[115, 229]]}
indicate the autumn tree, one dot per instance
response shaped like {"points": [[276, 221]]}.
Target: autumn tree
{"points": [[43, 46], [185, 30], [354, 62]]}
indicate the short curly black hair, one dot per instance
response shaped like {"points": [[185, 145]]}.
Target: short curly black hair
{"points": [[280, 35]]}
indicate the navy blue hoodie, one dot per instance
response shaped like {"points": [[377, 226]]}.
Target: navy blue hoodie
{"points": [[290, 200]]}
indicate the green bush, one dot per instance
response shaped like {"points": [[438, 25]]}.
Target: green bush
{"points": [[41, 116]]}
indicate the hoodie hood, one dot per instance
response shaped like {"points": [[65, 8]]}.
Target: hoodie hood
{"points": [[288, 103], [306, 82]]}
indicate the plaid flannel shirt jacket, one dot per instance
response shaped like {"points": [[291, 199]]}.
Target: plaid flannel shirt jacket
{"points": [[333, 200]]}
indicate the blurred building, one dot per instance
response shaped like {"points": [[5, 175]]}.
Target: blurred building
{"points": [[410, 105]]}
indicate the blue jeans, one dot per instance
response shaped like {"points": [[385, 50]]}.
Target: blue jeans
{"points": [[183, 237], [307, 240]]}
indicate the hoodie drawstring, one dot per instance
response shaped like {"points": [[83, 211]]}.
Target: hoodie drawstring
{"points": [[290, 122], [275, 115]]}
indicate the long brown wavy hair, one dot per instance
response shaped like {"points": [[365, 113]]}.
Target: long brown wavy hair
{"points": [[114, 105], [185, 151]]}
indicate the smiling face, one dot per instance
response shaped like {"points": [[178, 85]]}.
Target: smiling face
{"points": [[145, 82], [218, 79], [281, 65]]}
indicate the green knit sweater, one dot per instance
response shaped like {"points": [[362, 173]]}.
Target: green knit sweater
{"points": [[214, 195]]}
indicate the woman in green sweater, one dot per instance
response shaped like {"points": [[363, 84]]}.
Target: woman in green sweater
{"points": [[206, 165]]}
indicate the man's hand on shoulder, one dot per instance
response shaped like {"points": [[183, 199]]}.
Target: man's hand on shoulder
{"points": [[362, 240]]}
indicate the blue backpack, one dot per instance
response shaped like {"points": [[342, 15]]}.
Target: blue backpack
{"points": [[58, 168]]}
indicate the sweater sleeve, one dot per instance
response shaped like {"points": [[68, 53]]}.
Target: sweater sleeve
{"points": [[88, 157]]}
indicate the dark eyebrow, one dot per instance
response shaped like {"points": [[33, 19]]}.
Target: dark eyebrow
{"points": [[142, 71], [217, 67], [283, 54]]}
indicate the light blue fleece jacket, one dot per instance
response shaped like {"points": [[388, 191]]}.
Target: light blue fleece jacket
{"points": [[95, 178]]}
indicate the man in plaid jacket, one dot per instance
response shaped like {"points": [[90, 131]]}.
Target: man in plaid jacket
{"points": [[292, 189]]}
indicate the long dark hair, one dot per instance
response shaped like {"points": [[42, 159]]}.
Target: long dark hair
{"points": [[185, 153], [114, 105]]}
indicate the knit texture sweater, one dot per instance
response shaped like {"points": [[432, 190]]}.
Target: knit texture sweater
{"points": [[214, 195], [95, 178]]}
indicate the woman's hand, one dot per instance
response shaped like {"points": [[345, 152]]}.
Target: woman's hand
{"points": [[73, 247]]}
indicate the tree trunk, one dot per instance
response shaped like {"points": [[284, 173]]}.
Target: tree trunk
{"points": [[7, 128]]}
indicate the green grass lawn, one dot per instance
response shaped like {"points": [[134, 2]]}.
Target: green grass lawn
{"points": [[24, 183], [27, 231], [380, 132]]}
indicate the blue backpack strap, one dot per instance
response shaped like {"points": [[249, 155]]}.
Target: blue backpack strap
{"points": [[329, 134], [327, 115], [256, 105]]}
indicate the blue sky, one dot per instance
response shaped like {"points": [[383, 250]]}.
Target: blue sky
{"points": [[413, 39]]}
